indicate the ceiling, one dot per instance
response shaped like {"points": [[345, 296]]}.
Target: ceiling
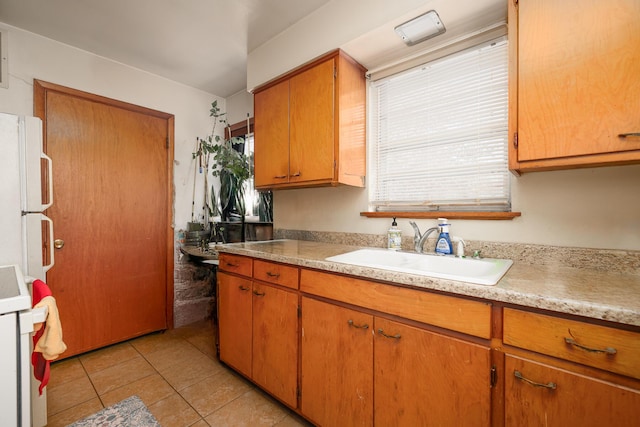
{"points": [[200, 43]]}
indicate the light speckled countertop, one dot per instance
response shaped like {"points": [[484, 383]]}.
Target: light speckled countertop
{"points": [[595, 294]]}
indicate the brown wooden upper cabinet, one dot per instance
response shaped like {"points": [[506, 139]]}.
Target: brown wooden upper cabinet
{"points": [[310, 126], [574, 86]]}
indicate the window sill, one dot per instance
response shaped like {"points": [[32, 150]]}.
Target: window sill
{"points": [[443, 214]]}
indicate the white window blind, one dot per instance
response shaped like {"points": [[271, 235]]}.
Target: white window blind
{"points": [[440, 134]]}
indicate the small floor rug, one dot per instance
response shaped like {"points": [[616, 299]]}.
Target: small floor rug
{"points": [[130, 412]]}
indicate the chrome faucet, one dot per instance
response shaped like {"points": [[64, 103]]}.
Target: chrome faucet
{"points": [[419, 238]]}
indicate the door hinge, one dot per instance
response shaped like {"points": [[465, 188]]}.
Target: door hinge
{"points": [[494, 376], [515, 140]]}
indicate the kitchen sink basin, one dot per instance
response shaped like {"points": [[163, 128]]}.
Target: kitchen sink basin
{"points": [[482, 271]]}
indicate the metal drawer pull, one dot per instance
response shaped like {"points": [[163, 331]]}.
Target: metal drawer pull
{"points": [[270, 274], [243, 288], [631, 134], [396, 336], [295, 175], [259, 294], [350, 322], [230, 264], [518, 375], [608, 350], [280, 176]]}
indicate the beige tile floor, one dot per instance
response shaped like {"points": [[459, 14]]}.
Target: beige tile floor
{"points": [[175, 373]]}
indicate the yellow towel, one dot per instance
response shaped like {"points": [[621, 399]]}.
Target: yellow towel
{"points": [[50, 343]]}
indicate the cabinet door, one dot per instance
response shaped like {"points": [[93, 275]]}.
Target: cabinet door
{"points": [[541, 395], [312, 150], [271, 135], [424, 378], [234, 318], [337, 365], [578, 85], [275, 341]]}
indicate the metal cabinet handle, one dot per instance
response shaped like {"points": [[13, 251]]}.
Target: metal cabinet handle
{"points": [[350, 322], [297, 174], [630, 134], [270, 274], [607, 350], [259, 294], [280, 176], [243, 288], [230, 264], [518, 375], [396, 336]]}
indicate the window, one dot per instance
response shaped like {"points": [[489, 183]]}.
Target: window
{"points": [[257, 203], [439, 134], [251, 196]]}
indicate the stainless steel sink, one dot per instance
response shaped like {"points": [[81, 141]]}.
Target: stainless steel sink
{"points": [[484, 271]]}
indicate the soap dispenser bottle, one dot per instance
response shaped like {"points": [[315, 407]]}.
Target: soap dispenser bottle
{"points": [[394, 237], [443, 246]]}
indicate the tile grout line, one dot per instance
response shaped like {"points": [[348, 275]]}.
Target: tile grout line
{"points": [[192, 338], [171, 385]]}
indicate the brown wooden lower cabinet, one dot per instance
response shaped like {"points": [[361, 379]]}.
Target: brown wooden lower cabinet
{"points": [[235, 322], [344, 351], [424, 378], [358, 369], [337, 365], [537, 394], [275, 341], [258, 334]]}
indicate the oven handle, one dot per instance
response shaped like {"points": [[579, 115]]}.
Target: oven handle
{"points": [[28, 318]]}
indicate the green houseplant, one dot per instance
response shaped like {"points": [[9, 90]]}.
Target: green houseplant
{"points": [[224, 158]]}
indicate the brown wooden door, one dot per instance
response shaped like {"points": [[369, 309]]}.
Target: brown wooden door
{"points": [[275, 342], [312, 114], [427, 379], [337, 365], [542, 395], [234, 319], [577, 78], [271, 135], [112, 279]]}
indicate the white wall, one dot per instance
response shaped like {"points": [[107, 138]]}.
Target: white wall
{"points": [[364, 29], [594, 208], [34, 57], [238, 106]]}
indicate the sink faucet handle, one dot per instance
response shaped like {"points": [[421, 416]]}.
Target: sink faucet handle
{"points": [[416, 230]]}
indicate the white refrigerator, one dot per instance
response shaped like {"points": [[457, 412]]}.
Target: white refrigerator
{"points": [[22, 203]]}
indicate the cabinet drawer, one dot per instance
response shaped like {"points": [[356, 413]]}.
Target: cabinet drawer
{"points": [[236, 264], [275, 273], [537, 394], [457, 314], [614, 350]]}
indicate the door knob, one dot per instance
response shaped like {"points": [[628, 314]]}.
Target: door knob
{"points": [[58, 243]]}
